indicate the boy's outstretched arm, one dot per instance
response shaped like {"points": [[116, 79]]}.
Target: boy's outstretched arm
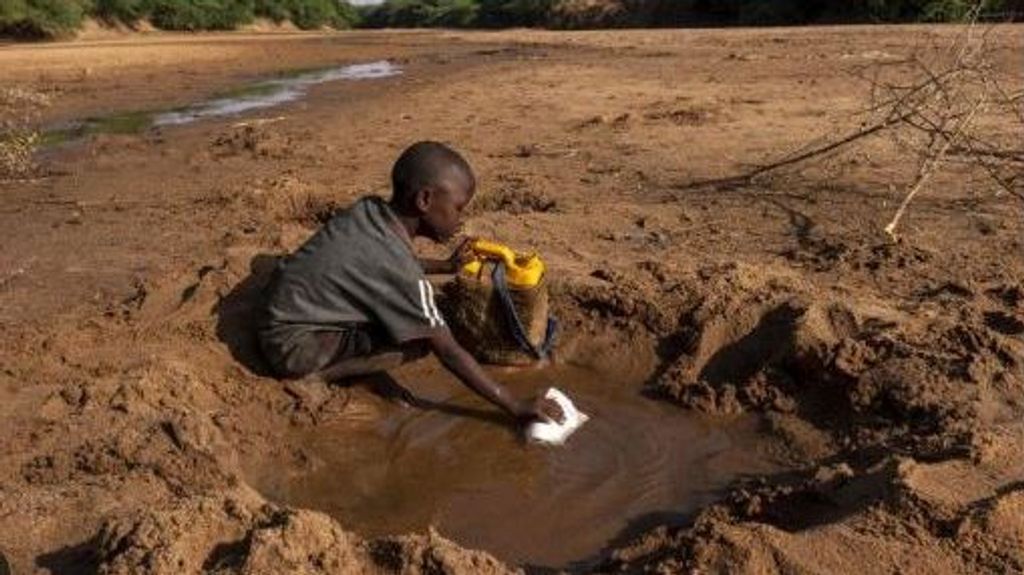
{"points": [[465, 367]]}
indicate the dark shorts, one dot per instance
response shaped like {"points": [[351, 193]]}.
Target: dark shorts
{"points": [[297, 352]]}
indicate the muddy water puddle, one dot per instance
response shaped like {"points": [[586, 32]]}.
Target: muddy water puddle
{"points": [[386, 469], [275, 92], [259, 96]]}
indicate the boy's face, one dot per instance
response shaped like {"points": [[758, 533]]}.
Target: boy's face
{"points": [[441, 205]]}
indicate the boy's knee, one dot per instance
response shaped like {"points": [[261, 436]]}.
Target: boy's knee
{"points": [[301, 355], [416, 349]]}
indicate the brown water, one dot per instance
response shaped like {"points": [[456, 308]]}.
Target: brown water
{"points": [[388, 469]]}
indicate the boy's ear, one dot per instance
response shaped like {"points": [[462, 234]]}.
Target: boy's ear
{"points": [[424, 196]]}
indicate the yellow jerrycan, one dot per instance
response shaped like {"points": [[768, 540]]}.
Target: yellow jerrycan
{"points": [[499, 306]]}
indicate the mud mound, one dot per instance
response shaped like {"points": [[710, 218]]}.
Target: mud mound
{"points": [[516, 202], [258, 140], [745, 324], [515, 195], [740, 323], [840, 520], [301, 542], [239, 535], [282, 199], [289, 198], [186, 537], [652, 297], [870, 374], [992, 534], [432, 553], [679, 113]]}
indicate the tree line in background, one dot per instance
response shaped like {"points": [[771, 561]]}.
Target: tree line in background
{"points": [[666, 13], [38, 19], [54, 18]]}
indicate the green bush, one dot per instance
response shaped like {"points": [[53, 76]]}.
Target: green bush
{"points": [[755, 12], [946, 10], [398, 14], [226, 14], [502, 13], [275, 10], [457, 13], [126, 11], [40, 19], [454, 14], [348, 15], [200, 14], [308, 14]]}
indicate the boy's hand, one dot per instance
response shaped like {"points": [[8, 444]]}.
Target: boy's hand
{"points": [[543, 409], [453, 263], [469, 372], [462, 254]]}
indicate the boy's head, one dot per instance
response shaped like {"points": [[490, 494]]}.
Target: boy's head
{"points": [[434, 183]]}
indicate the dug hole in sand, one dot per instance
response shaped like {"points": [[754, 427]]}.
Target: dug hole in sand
{"points": [[460, 467]]}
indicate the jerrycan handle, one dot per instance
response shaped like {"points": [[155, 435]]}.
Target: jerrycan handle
{"points": [[524, 272], [492, 250]]}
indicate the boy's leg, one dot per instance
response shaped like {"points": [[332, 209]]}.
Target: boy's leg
{"points": [[363, 353], [294, 355], [330, 355]]}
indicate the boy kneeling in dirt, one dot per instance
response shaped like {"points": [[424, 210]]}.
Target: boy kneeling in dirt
{"points": [[354, 299]]}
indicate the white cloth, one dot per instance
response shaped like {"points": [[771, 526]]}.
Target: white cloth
{"points": [[551, 433]]}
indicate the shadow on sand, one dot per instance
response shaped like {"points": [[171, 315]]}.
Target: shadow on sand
{"points": [[239, 314]]}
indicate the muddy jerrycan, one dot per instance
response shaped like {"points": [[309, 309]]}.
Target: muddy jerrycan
{"points": [[499, 306]]}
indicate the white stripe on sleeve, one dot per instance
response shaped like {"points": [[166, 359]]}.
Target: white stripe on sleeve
{"points": [[424, 286], [433, 306]]}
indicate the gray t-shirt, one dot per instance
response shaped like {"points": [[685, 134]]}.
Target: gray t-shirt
{"points": [[359, 268]]}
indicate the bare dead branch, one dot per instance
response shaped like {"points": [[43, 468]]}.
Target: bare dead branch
{"points": [[928, 168], [945, 108]]}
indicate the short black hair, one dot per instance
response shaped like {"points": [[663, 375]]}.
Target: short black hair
{"points": [[423, 164]]}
